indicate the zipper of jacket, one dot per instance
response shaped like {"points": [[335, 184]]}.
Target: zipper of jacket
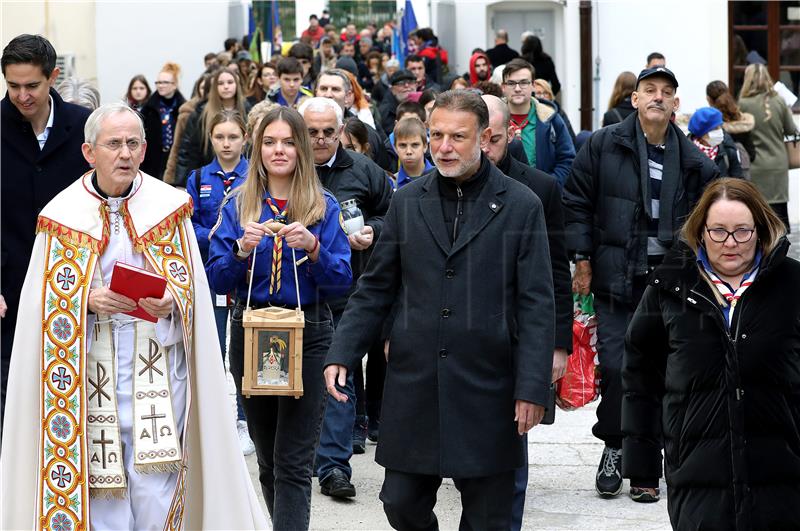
{"points": [[459, 212], [731, 337]]}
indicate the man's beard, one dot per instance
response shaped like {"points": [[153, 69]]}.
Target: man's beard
{"points": [[462, 167]]}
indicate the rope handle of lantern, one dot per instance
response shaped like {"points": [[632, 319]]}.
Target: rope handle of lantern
{"points": [[295, 263]]}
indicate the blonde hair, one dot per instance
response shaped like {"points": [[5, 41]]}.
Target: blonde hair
{"points": [[769, 227], [307, 203], [214, 105], [758, 81], [545, 86], [258, 111]]}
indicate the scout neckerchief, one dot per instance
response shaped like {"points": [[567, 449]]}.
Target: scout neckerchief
{"points": [[527, 134], [724, 288], [277, 249], [709, 151]]}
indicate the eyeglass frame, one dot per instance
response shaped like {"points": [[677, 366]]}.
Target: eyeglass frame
{"points": [[730, 234], [163, 82], [112, 147], [334, 136], [522, 83]]}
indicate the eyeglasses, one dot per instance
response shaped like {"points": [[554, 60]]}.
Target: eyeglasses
{"points": [[739, 235], [405, 83], [115, 145], [327, 135], [525, 83], [164, 83]]}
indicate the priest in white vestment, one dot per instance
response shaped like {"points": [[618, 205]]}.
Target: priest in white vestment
{"points": [[114, 421]]}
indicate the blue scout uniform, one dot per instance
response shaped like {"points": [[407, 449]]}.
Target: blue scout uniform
{"points": [[403, 178], [215, 184], [329, 277]]}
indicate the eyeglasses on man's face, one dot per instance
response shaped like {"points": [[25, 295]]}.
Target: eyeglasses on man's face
{"points": [[327, 135], [721, 235], [132, 144], [525, 83]]}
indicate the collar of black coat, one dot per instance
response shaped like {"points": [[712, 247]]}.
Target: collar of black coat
{"points": [[624, 134], [154, 100], [343, 158], [679, 272], [10, 110], [469, 188]]}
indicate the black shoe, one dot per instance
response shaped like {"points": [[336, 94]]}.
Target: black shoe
{"points": [[642, 495], [360, 435], [372, 430], [337, 485], [609, 474]]}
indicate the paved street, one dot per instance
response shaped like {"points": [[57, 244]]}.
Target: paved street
{"points": [[563, 461]]}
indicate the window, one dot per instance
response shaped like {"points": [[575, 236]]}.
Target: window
{"points": [[362, 12], [769, 33]]}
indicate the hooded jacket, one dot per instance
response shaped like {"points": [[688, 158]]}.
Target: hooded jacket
{"points": [[725, 400], [473, 76], [554, 148]]}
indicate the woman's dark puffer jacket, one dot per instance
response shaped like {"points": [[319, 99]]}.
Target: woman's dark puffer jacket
{"points": [[726, 402]]}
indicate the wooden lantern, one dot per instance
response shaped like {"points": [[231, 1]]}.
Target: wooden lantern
{"points": [[273, 352]]}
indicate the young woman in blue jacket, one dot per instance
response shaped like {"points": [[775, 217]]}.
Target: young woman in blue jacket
{"points": [[282, 187]]}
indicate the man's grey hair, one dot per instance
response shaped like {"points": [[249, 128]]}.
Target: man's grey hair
{"points": [[95, 121], [525, 35], [79, 92], [338, 72], [318, 104], [501, 35]]}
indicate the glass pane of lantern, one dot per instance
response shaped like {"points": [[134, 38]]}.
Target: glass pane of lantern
{"points": [[273, 357]]}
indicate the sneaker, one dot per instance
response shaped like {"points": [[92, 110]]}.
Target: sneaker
{"points": [[608, 481], [337, 485], [645, 495], [360, 435], [245, 442]]}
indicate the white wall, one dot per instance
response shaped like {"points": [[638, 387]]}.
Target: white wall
{"points": [[130, 43], [692, 35]]}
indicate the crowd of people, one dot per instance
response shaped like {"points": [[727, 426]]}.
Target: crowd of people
{"points": [[667, 222]]}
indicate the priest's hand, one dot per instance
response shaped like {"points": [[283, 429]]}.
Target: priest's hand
{"points": [[104, 301], [336, 374], [161, 308], [527, 415], [559, 363], [3, 306], [362, 239]]}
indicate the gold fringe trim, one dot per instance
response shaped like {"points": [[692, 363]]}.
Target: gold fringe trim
{"points": [[160, 230], [71, 236], [158, 468], [108, 494]]}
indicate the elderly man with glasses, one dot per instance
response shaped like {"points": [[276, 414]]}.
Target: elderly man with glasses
{"points": [[105, 369], [347, 175]]}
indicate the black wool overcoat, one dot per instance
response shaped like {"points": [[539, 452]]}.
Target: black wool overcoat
{"points": [[474, 329]]}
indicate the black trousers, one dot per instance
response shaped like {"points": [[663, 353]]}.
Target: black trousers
{"points": [[369, 393], [285, 429], [613, 318], [409, 499]]}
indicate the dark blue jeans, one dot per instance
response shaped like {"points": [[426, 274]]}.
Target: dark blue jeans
{"points": [[221, 317], [285, 429], [336, 434]]}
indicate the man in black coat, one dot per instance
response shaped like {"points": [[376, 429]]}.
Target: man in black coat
{"points": [[630, 188], [464, 254], [41, 137], [347, 175], [547, 190], [502, 52]]}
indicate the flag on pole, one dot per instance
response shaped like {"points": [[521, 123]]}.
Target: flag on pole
{"points": [[256, 36], [272, 28], [407, 24]]}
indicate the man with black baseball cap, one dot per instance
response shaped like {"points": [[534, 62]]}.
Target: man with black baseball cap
{"points": [[402, 82], [630, 187]]}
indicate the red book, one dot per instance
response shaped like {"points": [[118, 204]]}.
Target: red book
{"points": [[137, 283]]}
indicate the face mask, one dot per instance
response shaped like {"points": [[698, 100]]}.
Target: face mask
{"points": [[715, 137]]}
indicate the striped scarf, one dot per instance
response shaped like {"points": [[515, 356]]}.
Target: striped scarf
{"points": [[731, 296], [710, 152]]}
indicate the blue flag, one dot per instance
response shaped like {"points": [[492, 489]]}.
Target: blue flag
{"points": [[407, 25]]}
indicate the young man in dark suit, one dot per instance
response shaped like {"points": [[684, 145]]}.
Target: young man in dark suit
{"points": [[41, 137]]}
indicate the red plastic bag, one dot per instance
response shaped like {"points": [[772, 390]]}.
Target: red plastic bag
{"points": [[580, 384]]}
